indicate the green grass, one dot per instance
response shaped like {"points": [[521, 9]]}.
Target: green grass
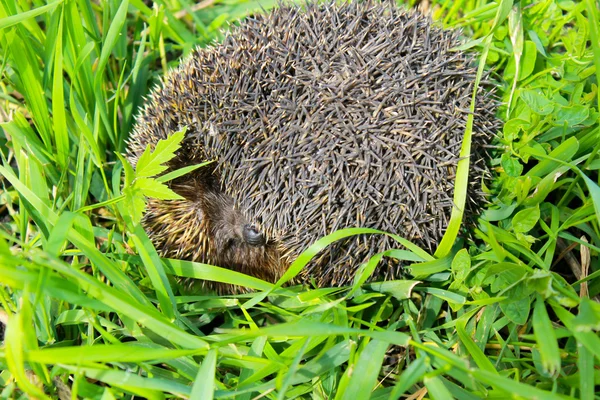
{"points": [[91, 310]]}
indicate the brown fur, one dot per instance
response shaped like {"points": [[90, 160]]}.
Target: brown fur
{"points": [[215, 228]]}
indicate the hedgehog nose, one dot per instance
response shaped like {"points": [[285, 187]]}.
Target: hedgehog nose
{"points": [[252, 236]]}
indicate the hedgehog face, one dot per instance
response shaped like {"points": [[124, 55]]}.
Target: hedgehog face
{"points": [[206, 227], [234, 243]]}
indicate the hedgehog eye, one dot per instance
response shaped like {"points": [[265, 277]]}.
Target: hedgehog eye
{"points": [[231, 242], [253, 236]]}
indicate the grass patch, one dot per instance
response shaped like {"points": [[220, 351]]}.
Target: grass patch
{"points": [[92, 312]]}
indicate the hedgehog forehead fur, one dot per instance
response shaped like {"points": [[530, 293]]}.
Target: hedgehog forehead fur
{"points": [[320, 118]]}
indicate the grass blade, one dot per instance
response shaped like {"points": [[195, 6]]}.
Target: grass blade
{"points": [[545, 337], [461, 181], [366, 371], [482, 361], [436, 388], [156, 272], [61, 134], [80, 355], [204, 385]]}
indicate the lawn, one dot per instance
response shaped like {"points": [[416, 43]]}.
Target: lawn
{"points": [[90, 310]]}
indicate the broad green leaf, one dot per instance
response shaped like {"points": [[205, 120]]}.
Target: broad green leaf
{"points": [[526, 219], [461, 265], [511, 165], [516, 310], [400, 289], [512, 128], [537, 101], [538, 43], [527, 62], [571, 115], [497, 214]]}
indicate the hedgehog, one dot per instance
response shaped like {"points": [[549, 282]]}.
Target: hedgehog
{"points": [[318, 117]]}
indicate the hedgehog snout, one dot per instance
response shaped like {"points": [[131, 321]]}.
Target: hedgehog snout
{"points": [[253, 236]]}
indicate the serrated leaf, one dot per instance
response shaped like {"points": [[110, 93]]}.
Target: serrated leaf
{"points": [[181, 171], [135, 204], [151, 163], [129, 173], [152, 188]]}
